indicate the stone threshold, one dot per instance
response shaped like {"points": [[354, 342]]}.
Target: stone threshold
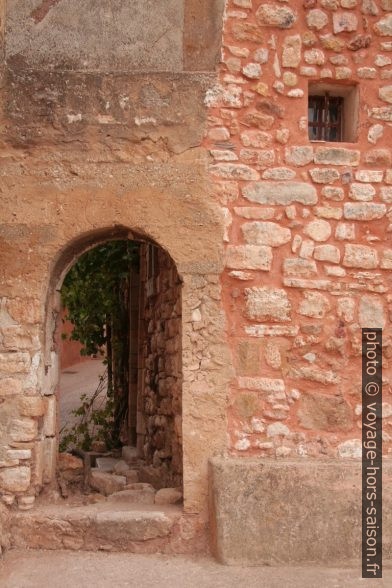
{"points": [[105, 526]]}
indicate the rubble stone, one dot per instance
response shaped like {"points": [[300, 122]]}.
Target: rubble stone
{"points": [[314, 305], [360, 256], [273, 15], [281, 193], [251, 257], [267, 304], [265, 233], [134, 493], [316, 19], [106, 483], [318, 230], [168, 496], [291, 55], [15, 479]]}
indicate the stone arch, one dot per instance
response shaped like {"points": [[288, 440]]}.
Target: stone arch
{"points": [[63, 262], [190, 229], [159, 308]]}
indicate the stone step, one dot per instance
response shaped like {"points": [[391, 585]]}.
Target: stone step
{"points": [[107, 526]]}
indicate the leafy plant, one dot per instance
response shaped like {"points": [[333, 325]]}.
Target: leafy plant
{"points": [[95, 294], [95, 420]]}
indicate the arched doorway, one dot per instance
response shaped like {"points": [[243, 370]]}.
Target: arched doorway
{"points": [[149, 424], [189, 229]]}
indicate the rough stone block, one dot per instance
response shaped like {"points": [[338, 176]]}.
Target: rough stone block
{"points": [[121, 467], [385, 94], [336, 156], [327, 253], [291, 55], [281, 193], [318, 230], [324, 175], [132, 526], [15, 479], [333, 193], [10, 387], [314, 57], [314, 305], [266, 233], [253, 257], [369, 175], [106, 464], [106, 483], [49, 459], [299, 267], [32, 406], [50, 419], [38, 464], [316, 19], [267, 304], [371, 312], [234, 171], [360, 256], [67, 461], [386, 262], [168, 496], [362, 192], [386, 194], [134, 493], [344, 22], [299, 155], [363, 211], [247, 31], [262, 384], [328, 212], [24, 429], [14, 363], [273, 15], [271, 512], [379, 157], [383, 27], [248, 358]]}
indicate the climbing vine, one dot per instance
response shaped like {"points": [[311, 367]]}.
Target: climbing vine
{"points": [[95, 294]]}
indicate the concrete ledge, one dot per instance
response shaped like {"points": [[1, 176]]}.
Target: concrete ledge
{"points": [[299, 511]]}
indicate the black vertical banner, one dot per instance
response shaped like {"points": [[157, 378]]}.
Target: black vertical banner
{"points": [[371, 453]]}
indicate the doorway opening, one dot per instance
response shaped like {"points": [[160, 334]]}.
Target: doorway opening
{"points": [[118, 338]]}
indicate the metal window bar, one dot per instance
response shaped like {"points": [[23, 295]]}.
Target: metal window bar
{"points": [[325, 118]]}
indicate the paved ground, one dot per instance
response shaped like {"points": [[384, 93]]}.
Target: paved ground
{"points": [[61, 569], [78, 379]]}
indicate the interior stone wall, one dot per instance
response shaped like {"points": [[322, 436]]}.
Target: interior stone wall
{"points": [[160, 395]]}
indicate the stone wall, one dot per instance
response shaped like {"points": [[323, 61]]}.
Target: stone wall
{"points": [[4, 528], [92, 152], [308, 224], [160, 396]]}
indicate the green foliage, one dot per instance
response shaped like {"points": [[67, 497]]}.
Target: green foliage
{"points": [[90, 292], [94, 420], [95, 294]]}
